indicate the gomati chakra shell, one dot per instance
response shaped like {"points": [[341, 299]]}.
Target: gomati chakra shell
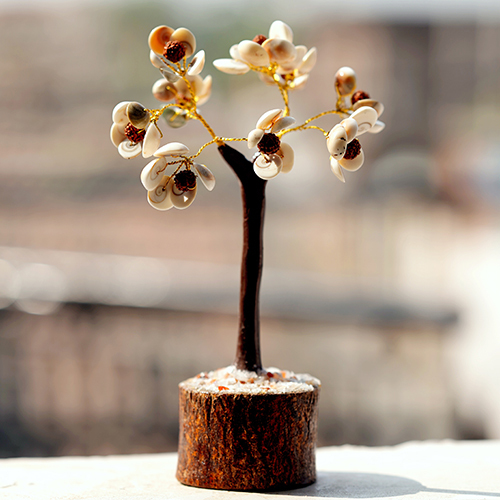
{"points": [[129, 150], [137, 115], [365, 117], [254, 137], [335, 166], [119, 114], [376, 105], [288, 157], [159, 37], [162, 90], [231, 67], [152, 174], [206, 176], [253, 53], [279, 29], [279, 50], [182, 200], [268, 118], [186, 37], [351, 127], [151, 141], [197, 63], [268, 168], [354, 164], [155, 60], [345, 80], [336, 141], [117, 134], [161, 196], [175, 117], [173, 149], [378, 127]]}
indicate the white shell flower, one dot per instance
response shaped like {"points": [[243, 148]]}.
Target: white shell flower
{"points": [[165, 90], [130, 140], [289, 65], [275, 156], [345, 150], [177, 190]]}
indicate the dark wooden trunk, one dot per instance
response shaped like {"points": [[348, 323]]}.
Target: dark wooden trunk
{"points": [[247, 441]]}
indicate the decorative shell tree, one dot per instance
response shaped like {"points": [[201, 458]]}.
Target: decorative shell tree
{"points": [[243, 427]]}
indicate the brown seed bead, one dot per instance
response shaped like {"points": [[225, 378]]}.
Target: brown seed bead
{"points": [[134, 134], [260, 39], [185, 180], [353, 149], [174, 51], [269, 144], [358, 95]]}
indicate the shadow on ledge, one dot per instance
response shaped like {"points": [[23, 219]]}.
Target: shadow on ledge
{"points": [[367, 485]]}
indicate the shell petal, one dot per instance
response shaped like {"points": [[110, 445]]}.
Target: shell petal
{"points": [[233, 51], [119, 113], [288, 157], [206, 90], [378, 127], [308, 61], [253, 53], [366, 118], [345, 80], [137, 115], [206, 176], [172, 149], [268, 118], [300, 81], [187, 38], [335, 166], [376, 105], [156, 60], [158, 38], [279, 50], [151, 141], [197, 63], [152, 173], [169, 75], [117, 134], [354, 164], [336, 141], [129, 150], [162, 90], [254, 137], [351, 127], [231, 67], [279, 29], [183, 200], [281, 123], [267, 169], [161, 197]]}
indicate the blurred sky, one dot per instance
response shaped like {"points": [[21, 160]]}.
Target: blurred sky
{"points": [[423, 10]]}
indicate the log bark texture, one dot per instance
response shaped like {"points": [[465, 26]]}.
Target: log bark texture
{"points": [[247, 441]]}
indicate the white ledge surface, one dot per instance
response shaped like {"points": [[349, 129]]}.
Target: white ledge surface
{"points": [[468, 470]]}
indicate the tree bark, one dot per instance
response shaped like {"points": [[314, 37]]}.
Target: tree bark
{"points": [[254, 201]]}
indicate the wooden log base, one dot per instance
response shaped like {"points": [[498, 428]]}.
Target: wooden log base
{"points": [[261, 440]]}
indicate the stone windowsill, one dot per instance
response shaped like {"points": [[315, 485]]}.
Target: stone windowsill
{"points": [[468, 470]]}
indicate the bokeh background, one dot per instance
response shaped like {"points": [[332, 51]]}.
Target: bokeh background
{"points": [[387, 287]]}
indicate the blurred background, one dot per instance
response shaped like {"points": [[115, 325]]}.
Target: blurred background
{"points": [[386, 288]]}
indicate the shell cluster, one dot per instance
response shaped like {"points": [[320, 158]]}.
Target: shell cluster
{"points": [[275, 156], [341, 141], [135, 130], [179, 189], [275, 58]]}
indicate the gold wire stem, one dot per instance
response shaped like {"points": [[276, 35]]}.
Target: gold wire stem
{"points": [[302, 127], [284, 94], [220, 141]]}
